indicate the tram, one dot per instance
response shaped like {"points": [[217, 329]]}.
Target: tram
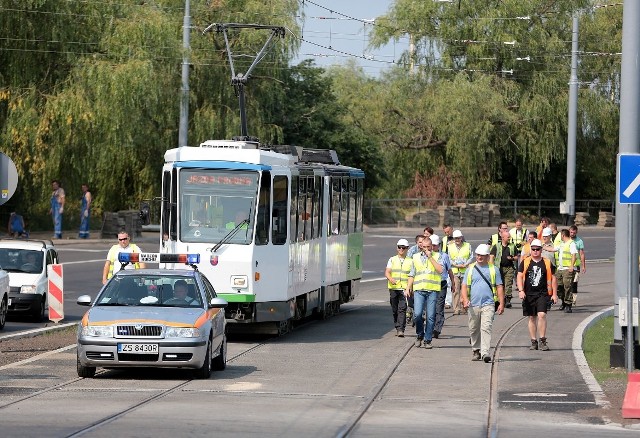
{"points": [[279, 229]]}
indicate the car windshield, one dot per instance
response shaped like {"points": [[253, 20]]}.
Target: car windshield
{"points": [[151, 290], [21, 260]]}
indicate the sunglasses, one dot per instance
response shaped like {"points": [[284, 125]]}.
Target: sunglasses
{"points": [[403, 247], [123, 239], [536, 249]]}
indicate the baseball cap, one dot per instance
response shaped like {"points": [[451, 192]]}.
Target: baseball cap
{"points": [[482, 249], [547, 232], [536, 242], [403, 242], [457, 233], [435, 240]]}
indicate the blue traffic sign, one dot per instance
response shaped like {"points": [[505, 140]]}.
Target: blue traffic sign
{"points": [[629, 183]]}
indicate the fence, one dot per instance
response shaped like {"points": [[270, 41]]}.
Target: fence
{"points": [[377, 211]]}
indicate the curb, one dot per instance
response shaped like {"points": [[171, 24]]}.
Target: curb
{"points": [[38, 331]]}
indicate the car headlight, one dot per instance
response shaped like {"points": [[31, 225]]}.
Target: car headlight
{"points": [[182, 332], [103, 331], [28, 289]]}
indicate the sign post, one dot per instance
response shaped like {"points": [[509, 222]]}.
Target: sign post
{"points": [[55, 295]]}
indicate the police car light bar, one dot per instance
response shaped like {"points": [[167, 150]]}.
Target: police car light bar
{"points": [[152, 257]]}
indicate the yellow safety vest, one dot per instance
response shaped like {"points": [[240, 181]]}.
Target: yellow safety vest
{"points": [[399, 272], [134, 248], [565, 261], [462, 253], [513, 232], [492, 280], [425, 278]]}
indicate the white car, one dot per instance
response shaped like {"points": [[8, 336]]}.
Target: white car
{"points": [[4, 297], [26, 263]]}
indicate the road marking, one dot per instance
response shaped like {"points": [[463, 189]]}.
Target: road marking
{"points": [[540, 394], [84, 261], [38, 357], [78, 250], [551, 402], [372, 279], [38, 330]]}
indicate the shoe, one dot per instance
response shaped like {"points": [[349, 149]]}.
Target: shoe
{"points": [[567, 309], [549, 304], [476, 355], [447, 306], [508, 303], [534, 345], [400, 334], [543, 344], [563, 306], [427, 345], [436, 334], [486, 358], [418, 342]]}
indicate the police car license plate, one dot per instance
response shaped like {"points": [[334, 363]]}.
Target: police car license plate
{"points": [[138, 348]]}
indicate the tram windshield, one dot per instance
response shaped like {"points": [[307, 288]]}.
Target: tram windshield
{"points": [[214, 201]]}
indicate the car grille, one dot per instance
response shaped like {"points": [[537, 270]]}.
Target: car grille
{"points": [[177, 357], [99, 355], [132, 331], [128, 357]]}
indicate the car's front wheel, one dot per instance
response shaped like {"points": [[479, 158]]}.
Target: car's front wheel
{"points": [[38, 312], [204, 372], [84, 371], [4, 308]]}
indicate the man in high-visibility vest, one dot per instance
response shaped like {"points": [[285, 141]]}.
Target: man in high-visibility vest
{"points": [[425, 283], [544, 223], [566, 256], [397, 273], [461, 255], [481, 290], [536, 285], [505, 255], [447, 275], [495, 238], [518, 234], [111, 266], [580, 266]]}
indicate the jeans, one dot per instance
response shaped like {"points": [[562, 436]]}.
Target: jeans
{"points": [[424, 299], [440, 307]]}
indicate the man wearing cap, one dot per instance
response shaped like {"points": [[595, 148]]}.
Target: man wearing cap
{"points": [[505, 255], [447, 274], [425, 283], [481, 291], [566, 256], [536, 283], [461, 255], [397, 273]]}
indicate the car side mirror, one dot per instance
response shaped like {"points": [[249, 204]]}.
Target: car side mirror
{"points": [[218, 303], [84, 300]]}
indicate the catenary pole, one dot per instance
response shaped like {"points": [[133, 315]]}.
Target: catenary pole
{"points": [[626, 261], [572, 128], [184, 95]]}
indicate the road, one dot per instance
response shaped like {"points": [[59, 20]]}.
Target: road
{"points": [[346, 376]]}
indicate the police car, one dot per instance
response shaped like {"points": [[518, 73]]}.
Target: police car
{"points": [[169, 318]]}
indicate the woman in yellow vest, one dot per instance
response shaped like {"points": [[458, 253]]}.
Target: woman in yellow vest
{"points": [[397, 273], [424, 282]]}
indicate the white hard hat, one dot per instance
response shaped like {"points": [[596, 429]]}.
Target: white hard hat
{"points": [[403, 242], [457, 233], [435, 240], [536, 242], [547, 232], [483, 249]]}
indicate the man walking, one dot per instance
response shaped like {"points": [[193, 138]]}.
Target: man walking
{"points": [[111, 266], [424, 281], [566, 256], [481, 290], [536, 283], [447, 274], [518, 234], [580, 266], [505, 255], [397, 273], [461, 255]]}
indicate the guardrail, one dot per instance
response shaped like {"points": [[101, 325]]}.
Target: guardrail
{"points": [[394, 210]]}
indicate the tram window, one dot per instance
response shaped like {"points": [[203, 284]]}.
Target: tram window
{"points": [[352, 206], [302, 203], [344, 204], [335, 206], [279, 213], [166, 195], [173, 228], [359, 203], [307, 215], [264, 210], [317, 208], [293, 213]]}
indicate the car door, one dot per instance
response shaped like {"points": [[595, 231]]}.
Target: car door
{"points": [[216, 315]]}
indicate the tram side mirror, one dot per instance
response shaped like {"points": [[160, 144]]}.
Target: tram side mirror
{"points": [[144, 213]]}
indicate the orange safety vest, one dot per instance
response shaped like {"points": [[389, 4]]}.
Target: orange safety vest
{"points": [[547, 265]]}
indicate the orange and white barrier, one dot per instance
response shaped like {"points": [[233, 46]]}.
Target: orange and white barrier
{"points": [[55, 294]]}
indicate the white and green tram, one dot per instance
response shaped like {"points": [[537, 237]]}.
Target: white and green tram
{"points": [[278, 229]]}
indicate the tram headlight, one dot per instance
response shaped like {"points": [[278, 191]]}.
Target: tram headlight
{"points": [[239, 281]]}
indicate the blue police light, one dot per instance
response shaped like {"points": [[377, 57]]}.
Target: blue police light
{"points": [[190, 259], [128, 257]]}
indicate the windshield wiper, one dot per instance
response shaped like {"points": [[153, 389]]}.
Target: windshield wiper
{"points": [[230, 235]]}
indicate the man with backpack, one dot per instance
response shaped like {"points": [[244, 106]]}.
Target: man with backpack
{"points": [[536, 285]]}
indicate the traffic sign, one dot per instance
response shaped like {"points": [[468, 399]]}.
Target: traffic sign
{"points": [[629, 179]]}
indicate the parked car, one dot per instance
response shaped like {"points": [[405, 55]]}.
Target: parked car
{"points": [[168, 318], [4, 297], [26, 263]]}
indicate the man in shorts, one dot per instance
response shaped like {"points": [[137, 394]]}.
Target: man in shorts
{"points": [[536, 284]]}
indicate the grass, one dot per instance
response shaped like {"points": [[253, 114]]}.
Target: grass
{"points": [[595, 345]]}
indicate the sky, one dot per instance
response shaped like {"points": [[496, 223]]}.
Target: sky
{"points": [[327, 25]]}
